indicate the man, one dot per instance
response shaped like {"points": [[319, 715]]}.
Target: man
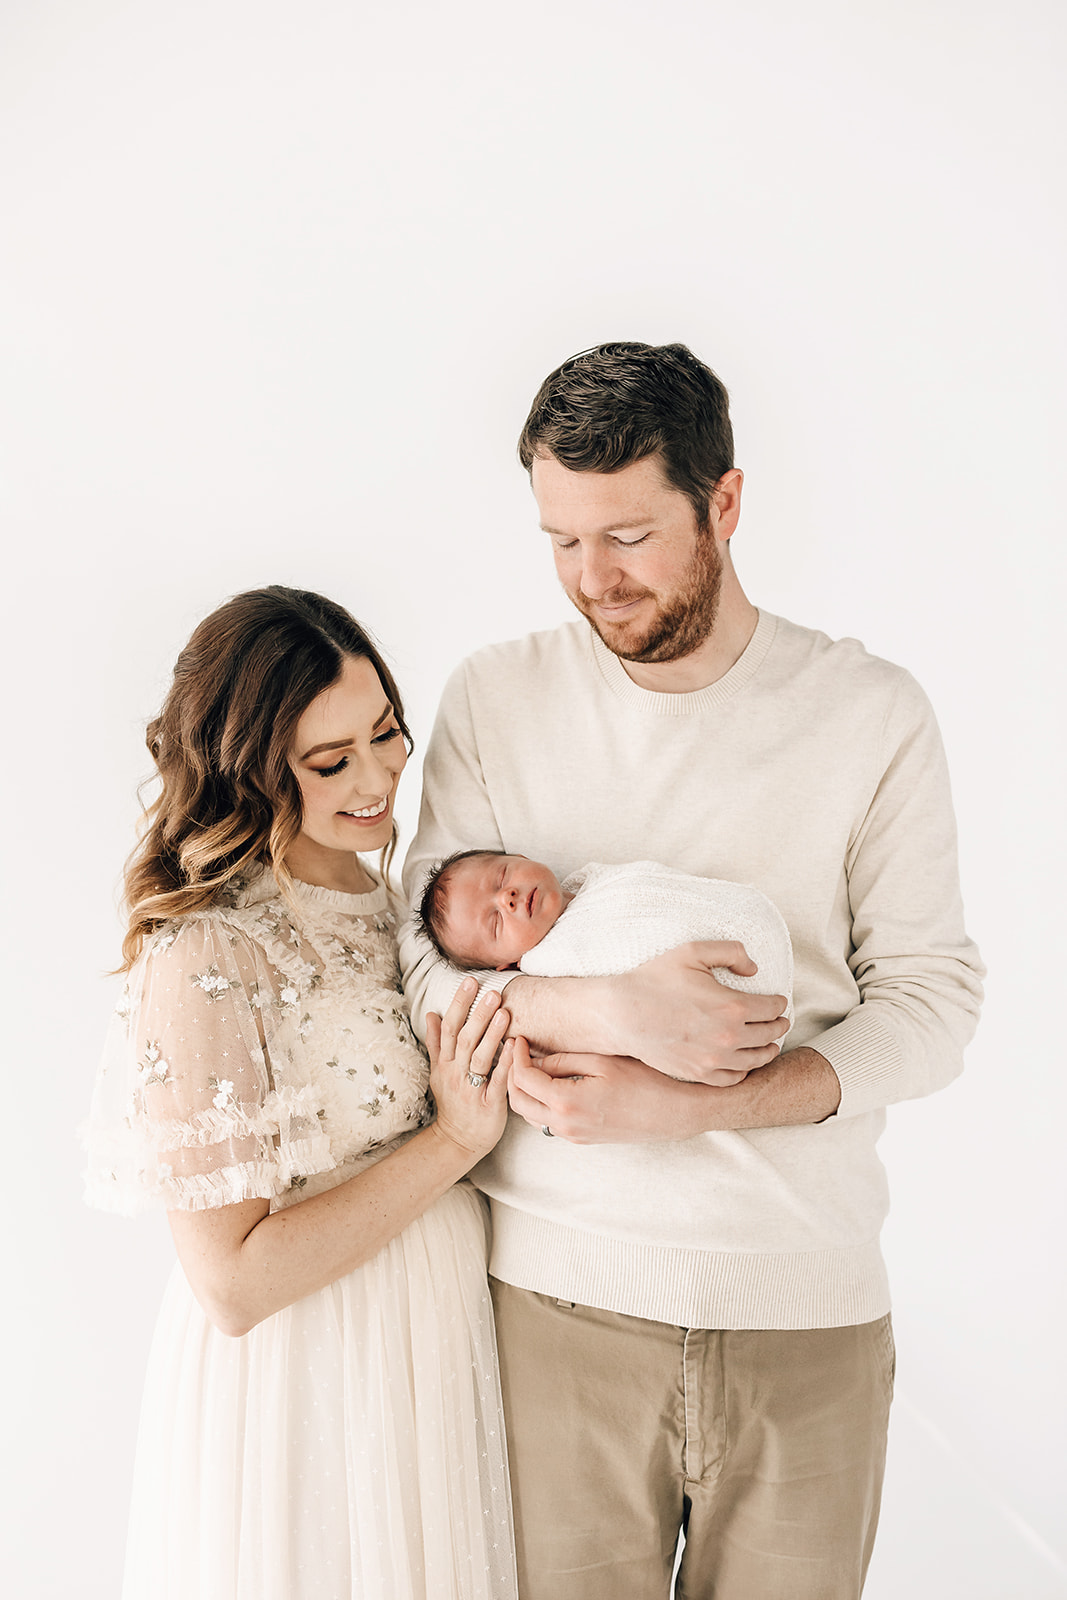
{"points": [[691, 1302]]}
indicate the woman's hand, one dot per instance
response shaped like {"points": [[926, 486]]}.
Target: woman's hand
{"points": [[463, 1045]]}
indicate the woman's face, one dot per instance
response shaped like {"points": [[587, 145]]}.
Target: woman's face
{"points": [[348, 755]]}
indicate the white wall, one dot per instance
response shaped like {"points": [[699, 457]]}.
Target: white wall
{"points": [[280, 281]]}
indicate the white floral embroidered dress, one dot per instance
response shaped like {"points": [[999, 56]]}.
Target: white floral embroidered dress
{"points": [[351, 1444]]}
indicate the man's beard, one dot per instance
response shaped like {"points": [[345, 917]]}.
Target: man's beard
{"points": [[683, 620]]}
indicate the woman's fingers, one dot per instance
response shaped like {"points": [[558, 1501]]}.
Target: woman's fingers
{"points": [[479, 1017], [466, 1040], [484, 1052], [459, 1007], [496, 1089]]}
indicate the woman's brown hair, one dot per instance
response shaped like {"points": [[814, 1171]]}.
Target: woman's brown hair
{"points": [[229, 799]]}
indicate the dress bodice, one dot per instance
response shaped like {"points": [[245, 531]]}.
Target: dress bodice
{"points": [[263, 1049]]}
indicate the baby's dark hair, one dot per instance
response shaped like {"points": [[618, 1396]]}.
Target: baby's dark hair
{"points": [[430, 911]]}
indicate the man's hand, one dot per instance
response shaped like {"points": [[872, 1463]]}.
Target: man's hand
{"points": [[598, 1099], [674, 1014]]}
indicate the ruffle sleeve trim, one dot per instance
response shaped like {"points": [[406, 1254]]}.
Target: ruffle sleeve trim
{"points": [[225, 1186]]}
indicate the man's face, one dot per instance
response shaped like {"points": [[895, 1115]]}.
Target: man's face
{"points": [[630, 556]]}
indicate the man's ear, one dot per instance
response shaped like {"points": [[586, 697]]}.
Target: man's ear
{"points": [[725, 506], [508, 966]]}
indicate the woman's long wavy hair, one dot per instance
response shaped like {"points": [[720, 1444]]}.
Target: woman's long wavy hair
{"points": [[229, 799]]}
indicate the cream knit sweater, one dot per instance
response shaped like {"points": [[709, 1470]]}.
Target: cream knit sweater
{"points": [[811, 770]]}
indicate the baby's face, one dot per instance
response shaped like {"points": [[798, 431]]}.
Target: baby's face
{"points": [[497, 908]]}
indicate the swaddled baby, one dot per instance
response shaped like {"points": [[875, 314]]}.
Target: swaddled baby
{"points": [[487, 909]]}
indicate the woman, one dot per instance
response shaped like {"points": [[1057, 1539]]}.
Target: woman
{"points": [[321, 1417]]}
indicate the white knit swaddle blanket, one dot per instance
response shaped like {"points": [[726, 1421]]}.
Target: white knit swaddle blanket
{"points": [[625, 915]]}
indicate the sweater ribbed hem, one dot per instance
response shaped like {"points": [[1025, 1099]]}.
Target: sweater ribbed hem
{"points": [[690, 1288]]}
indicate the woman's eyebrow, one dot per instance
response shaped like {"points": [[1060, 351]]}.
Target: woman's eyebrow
{"points": [[317, 749], [340, 744]]}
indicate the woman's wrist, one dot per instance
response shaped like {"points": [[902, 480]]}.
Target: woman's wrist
{"points": [[453, 1150]]}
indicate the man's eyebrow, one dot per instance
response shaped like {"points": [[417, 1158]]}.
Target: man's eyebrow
{"points": [[342, 744], [609, 527]]}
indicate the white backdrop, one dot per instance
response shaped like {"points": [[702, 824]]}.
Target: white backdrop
{"points": [[280, 281]]}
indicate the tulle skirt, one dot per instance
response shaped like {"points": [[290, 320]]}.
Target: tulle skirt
{"points": [[349, 1446]]}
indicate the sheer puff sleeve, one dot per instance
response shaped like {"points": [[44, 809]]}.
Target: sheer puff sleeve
{"points": [[200, 1100]]}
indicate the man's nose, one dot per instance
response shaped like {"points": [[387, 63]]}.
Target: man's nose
{"points": [[600, 572]]}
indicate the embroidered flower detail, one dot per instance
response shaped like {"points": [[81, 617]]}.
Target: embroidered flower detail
{"points": [[305, 1025], [381, 1097], [212, 982], [298, 1182], [231, 892], [153, 1066], [164, 939], [289, 996], [224, 1097], [124, 1005]]}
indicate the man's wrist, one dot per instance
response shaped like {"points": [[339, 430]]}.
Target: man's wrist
{"points": [[799, 1089], [562, 1014]]}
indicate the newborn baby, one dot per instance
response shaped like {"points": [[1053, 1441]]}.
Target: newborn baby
{"points": [[485, 908]]}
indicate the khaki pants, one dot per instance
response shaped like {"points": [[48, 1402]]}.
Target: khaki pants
{"points": [[767, 1448]]}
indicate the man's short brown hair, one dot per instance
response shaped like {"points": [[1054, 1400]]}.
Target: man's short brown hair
{"points": [[618, 403]]}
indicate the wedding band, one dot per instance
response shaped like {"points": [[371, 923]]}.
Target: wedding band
{"points": [[547, 1131], [475, 1079]]}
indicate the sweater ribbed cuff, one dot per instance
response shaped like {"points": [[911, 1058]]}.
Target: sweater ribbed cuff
{"points": [[867, 1060]]}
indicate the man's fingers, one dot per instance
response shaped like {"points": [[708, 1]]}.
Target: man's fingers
{"points": [[525, 1106], [758, 1034], [728, 953], [561, 1064], [534, 1082], [530, 1089]]}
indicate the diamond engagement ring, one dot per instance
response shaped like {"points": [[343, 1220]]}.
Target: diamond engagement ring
{"points": [[547, 1131], [476, 1079]]}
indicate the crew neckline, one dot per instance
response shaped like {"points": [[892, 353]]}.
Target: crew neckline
{"points": [[375, 899], [689, 702]]}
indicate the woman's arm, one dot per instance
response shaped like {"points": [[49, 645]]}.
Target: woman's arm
{"points": [[244, 1262]]}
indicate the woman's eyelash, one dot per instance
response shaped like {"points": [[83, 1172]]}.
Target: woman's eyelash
{"points": [[339, 766]]}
